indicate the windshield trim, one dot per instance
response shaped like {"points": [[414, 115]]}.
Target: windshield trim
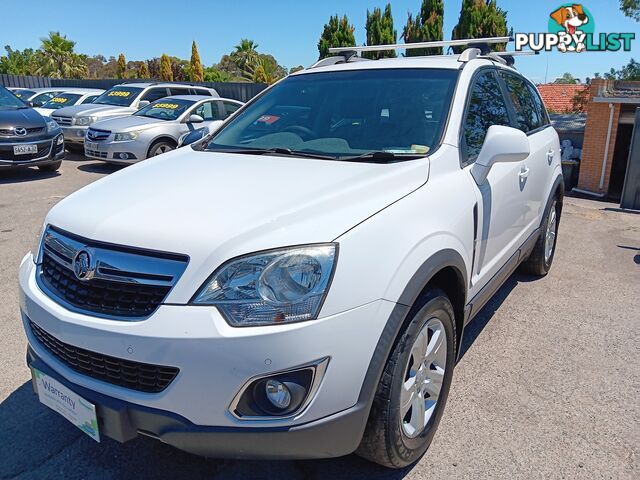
{"points": [[203, 144]]}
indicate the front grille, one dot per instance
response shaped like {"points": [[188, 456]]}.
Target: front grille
{"points": [[95, 153], [63, 121], [101, 296], [10, 132], [143, 377], [97, 135]]}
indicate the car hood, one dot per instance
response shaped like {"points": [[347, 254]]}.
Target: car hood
{"points": [[127, 123], [94, 110], [24, 117], [45, 112], [215, 206]]}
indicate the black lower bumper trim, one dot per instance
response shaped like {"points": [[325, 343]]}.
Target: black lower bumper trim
{"points": [[332, 436]]}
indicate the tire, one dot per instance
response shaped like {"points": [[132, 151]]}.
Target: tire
{"points": [[390, 438], [160, 147], [540, 259], [51, 167]]}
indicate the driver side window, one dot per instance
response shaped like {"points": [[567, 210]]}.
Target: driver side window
{"points": [[486, 106], [208, 111]]}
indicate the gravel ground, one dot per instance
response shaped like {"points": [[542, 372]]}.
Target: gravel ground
{"points": [[548, 385]]}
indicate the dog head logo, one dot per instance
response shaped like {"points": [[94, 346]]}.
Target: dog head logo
{"points": [[570, 20]]}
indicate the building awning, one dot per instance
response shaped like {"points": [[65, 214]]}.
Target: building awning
{"points": [[618, 91], [568, 122]]}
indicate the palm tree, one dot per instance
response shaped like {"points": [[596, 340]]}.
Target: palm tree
{"points": [[57, 59], [245, 55]]}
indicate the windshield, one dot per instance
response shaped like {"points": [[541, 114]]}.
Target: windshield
{"points": [[23, 93], [8, 101], [399, 112], [119, 96], [165, 109], [62, 100]]}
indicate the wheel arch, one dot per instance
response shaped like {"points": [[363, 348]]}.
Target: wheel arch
{"points": [[161, 138]]}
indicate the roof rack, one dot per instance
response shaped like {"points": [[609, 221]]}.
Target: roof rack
{"points": [[476, 42], [344, 57]]}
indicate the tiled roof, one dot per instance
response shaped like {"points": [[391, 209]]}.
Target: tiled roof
{"points": [[620, 89], [558, 97], [568, 122]]}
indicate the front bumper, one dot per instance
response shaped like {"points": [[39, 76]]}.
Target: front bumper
{"points": [[109, 151], [74, 134], [52, 152], [215, 362]]}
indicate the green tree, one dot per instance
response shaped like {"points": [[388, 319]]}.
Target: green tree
{"points": [[337, 33], [296, 69], [631, 8], [212, 74], [17, 62], [629, 72], [567, 78], [427, 27], [196, 73], [380, 31], [143, 71], [245, 55], [56, 58], [481, 19], [265, 70], [166, 73], [121, 72]]}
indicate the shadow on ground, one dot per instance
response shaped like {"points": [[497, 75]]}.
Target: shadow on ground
{"points": [[19, 175], [37, 443]]}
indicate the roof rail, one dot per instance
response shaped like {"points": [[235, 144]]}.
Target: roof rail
{"points": [[478, 42]]}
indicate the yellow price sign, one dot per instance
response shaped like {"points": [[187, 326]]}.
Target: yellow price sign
{"points": [[169, 106], [19, 95], [119, 93], [59, 100]]}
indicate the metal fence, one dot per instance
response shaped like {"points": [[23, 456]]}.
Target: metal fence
{"points": [[236, 90]]}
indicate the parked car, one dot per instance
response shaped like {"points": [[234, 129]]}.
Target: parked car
{"points": [[119, 101], [26, 138], [297, 284], [35, 97], [68, 98], [156, 128]]}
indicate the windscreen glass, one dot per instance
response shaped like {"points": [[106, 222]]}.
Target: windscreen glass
{"points": [[119, 96], [341, 114], [62, 100], [8, 100], [165, 109]]}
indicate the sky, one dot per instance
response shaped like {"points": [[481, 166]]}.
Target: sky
{"points": [[287, 29]]}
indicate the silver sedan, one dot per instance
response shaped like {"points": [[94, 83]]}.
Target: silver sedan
{"points": [[156, 128]]}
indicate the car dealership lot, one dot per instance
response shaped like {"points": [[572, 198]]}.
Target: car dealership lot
{"points": [[548, 385]]}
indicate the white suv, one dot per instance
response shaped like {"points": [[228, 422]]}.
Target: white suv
{"points": [[297, 284]]}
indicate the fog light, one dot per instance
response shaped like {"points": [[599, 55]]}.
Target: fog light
{"points": [[80, 133], [123, 156], [278, 394]]}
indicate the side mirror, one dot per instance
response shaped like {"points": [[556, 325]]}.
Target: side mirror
{"points": [[502, 144], [143, 103], [30, 104], [195, 119]]}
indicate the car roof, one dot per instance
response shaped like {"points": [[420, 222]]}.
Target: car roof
{"points": [[39, 89], [193, 98], [159, 84], [433, 61], [82, 90]]}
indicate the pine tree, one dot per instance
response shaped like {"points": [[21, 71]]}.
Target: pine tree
{"points": [[166, 73], [427, 27], [143, 71], [196, 72], [121, 70], [380, 32], [337, 33], [481, 19]]}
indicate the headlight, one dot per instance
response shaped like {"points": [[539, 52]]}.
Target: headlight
{"points": [[272, 287], [119, 137], [52, 126], [85, 121]]}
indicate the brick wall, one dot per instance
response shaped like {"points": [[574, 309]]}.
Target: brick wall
{"points": [[595, 139]]}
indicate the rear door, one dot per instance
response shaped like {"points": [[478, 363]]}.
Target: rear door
{"points": [[530, 116], [501, 227]]}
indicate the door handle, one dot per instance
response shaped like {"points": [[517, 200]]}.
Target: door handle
{"points": [[550, 154], [524, 173]]}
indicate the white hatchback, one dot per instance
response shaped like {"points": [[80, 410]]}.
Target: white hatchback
{"points": [[297, 284]]}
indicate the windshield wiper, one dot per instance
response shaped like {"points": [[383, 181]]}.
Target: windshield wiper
{"points": [[277, 151], [380, 157]]}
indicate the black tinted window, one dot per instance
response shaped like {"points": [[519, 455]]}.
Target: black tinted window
{"points": [[154, 94], [527, 112], [486, 107], [179, 91], [542, 111], [200, 91]]}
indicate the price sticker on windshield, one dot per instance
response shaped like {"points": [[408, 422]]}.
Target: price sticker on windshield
{"points": [[119, 93], [168, 106], [59, 100], [19, 95]]}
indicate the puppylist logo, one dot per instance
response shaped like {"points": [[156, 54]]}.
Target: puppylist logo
{"points": [[572, 29]]}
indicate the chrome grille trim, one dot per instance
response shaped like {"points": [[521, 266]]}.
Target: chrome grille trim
{"points": [[64, 121]]}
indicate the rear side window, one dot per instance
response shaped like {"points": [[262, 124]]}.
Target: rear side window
{"points": [[179, 91], [486, 107], [90, 99], [200, 91], [528, 114]]}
